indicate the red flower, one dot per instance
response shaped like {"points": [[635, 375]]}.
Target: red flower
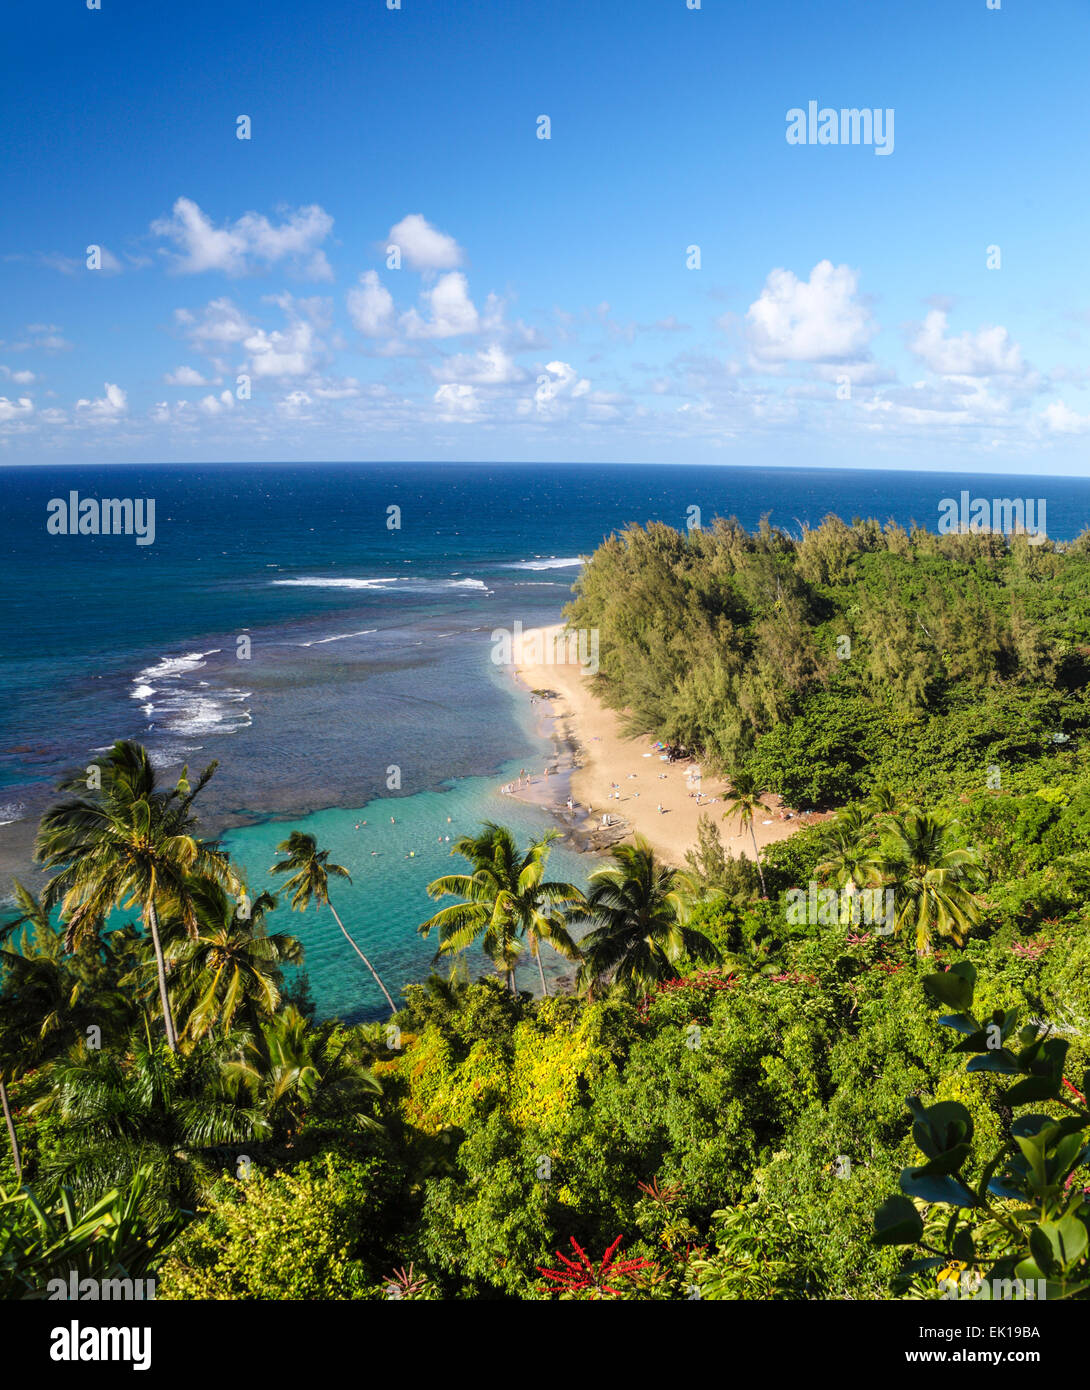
{"points": [[581, 1276]]}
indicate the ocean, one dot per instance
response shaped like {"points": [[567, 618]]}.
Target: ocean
{"points": [[325, 632]]}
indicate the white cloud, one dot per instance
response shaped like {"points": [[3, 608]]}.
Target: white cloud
{"points": [[291, 353], [990, 352], [1061, 419], [371, 308], [185, 376], [452, 310], [556, 388], [105, 408], [294, 405], [216, 405], [347, 389], [108, 262], [20, 378], [815, 320], [252, 239], [15, 410], [457, 401], [221, 321], [492, 367], [46, 336], [424, 247]]}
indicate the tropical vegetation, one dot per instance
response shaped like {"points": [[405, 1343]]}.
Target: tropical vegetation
{"points": [[736, 1088]]}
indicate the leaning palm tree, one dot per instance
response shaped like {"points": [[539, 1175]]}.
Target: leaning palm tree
{"points": [[126, 842], [638, 914], [744, 803], [310, 871], [505, 897], [231, 973], [932, 882]]}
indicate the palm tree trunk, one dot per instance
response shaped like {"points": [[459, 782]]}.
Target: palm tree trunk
{"points": [[541, 972], [161, 971], [11, 1134], [393, 1006], [757, 859]]}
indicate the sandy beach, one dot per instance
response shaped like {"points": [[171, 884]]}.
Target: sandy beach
{"points": [[608, 773]]}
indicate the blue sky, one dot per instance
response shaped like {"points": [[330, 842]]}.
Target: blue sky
{"points": [[843, 312]]}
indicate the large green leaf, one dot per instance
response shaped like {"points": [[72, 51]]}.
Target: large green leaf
{"points": [[954, 986], [897, 1222], [1058, 1245], [932, 1188]]}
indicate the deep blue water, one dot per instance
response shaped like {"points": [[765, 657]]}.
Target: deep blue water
{"points": [[369, 646]]}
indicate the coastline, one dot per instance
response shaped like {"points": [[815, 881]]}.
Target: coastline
{"points": [[594, 757]]}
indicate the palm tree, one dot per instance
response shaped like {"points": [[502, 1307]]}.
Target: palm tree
{"points": [[294, 1072], [505, 897], [638, 914], [849, 860], [9, 1068], [108, 1240], [125, 843], [746, 800], [883, 800], [231, 972], [932, 883], [49, 997], [122, 1110], [310, 872]]}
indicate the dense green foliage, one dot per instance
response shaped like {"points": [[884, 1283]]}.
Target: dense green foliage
{"points": [[738, 1087], [860, 654]]}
